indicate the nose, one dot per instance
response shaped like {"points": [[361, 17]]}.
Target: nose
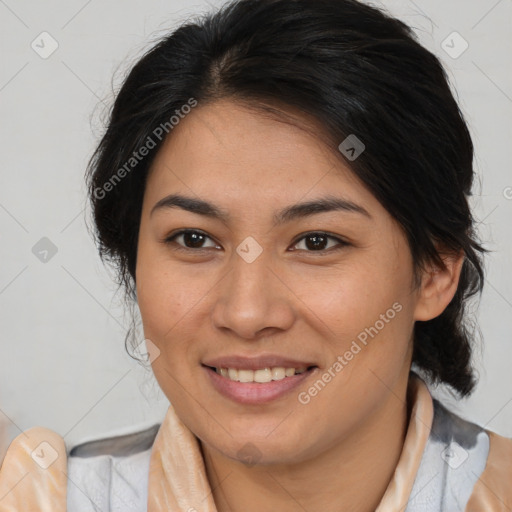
{"points": [[253, 300]]}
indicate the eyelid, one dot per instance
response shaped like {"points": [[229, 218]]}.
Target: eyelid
{"points": [[327, 234], [341, 242], [170, 239]]}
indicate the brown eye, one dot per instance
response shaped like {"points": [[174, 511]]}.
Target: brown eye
{"points": [[190, 239], [318, 242]]}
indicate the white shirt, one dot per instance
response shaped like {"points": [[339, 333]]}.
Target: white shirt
{"points": [[111, 475]]}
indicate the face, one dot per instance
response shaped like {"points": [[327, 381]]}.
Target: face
{"points": [[259, 284]]}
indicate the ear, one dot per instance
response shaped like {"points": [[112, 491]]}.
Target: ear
{"points": [[438, 286]]}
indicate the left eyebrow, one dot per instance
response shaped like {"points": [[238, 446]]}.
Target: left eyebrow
{"points": [[287, 214], [321, 205]]}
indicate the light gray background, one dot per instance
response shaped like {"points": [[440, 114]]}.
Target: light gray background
{"points": [[62, 359]]}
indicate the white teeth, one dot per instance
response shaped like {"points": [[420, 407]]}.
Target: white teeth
{"points": [[263, 375], [245, 375], [278, 373]]}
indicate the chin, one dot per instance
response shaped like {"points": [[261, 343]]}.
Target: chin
{"points": [[252, 450]]}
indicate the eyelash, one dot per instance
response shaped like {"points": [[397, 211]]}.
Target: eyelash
{"points": [[341, 243]]}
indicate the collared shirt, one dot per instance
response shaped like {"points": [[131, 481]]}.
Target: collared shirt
{"points": [[447, 464]]}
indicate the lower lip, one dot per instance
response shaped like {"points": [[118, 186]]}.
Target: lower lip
{"points": [[255, 393]]}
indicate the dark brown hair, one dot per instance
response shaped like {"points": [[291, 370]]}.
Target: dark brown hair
{"points": [[354, 69]]}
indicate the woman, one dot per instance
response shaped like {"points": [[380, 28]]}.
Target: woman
{"points": [[283, 189]]}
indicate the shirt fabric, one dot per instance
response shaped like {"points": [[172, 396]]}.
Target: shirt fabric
{"points": [[447, 464], [453, 458]]}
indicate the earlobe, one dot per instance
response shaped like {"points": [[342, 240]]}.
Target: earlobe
{"points": [[438, 287]]}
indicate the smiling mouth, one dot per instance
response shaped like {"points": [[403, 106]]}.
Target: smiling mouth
{"points": [[262, 375]]}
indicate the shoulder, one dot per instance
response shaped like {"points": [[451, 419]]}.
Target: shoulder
{"points": [[493, 491], [457, 456], [33, 472], [110, 473]]}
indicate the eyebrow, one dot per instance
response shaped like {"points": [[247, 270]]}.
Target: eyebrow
{"points": [[296, 211]]}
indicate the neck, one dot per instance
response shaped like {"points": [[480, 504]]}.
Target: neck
{"points": [[352, 475]]}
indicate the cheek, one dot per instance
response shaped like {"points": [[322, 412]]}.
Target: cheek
{"points": [[166, 293], [351, 298], [166, 302], [366, 311]]}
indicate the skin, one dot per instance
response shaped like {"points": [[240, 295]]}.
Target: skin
{"points": [[291, 300]]}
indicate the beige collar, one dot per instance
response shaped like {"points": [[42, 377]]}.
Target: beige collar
{"points": [[177, 475], [179, 482]]}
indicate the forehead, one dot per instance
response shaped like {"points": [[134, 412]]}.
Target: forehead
{"points": [[225, 150]]}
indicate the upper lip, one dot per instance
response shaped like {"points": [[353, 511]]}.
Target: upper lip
{"points": [[256, 362]]}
